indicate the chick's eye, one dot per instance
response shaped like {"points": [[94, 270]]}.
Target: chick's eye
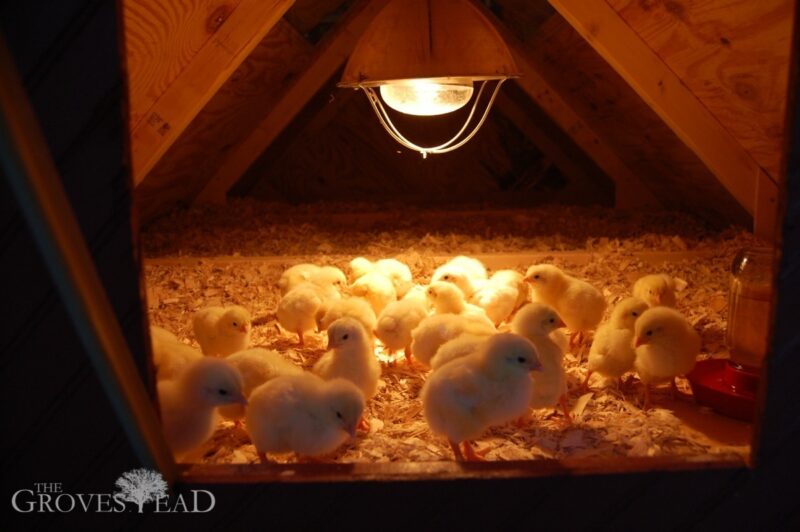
{"points": [[521, 360], [222, 391], [536, 276], [634, 313], [649, 333], [339, 415], [235, 324], [345, 337], [552, 320]]}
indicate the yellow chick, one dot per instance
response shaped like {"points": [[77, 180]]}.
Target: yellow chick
{"points": [[458, 347], [221, 331], [446, 298], [612, 353], [396, 271], [501, 295], [419, 293], [656, 290], [350, 356], [170, 355], [188, 403], [465, 272], [295, 275], [434, 331], [376, 288], [331, 279], [536, 322], [666, 346], [256, 366], [303, 414], [298, 309], [352, 307], [579, 304], [490, 387], [397, 321]]}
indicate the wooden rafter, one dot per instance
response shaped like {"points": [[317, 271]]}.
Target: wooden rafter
{"points": [[630, 191], [235, 33], [677, 106], [331, 54]]}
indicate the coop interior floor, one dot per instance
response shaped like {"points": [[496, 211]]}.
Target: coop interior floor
{"points": [[234, 256]]}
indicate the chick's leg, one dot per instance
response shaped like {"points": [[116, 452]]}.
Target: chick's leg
{"points": [[585, 383], [471, 454], [456, 452], [408, 354], [565, 408], [262, 457], [646, 405]]}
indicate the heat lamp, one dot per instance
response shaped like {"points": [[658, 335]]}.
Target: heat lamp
{"points": [[430, 58]]}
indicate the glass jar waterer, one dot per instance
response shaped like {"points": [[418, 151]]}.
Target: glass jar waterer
{"points": [[729, 385]]}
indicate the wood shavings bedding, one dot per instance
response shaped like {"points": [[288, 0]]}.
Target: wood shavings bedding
{"points": [[608, 421]]}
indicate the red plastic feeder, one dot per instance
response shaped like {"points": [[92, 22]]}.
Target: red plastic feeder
{"points": [[726, 387]]}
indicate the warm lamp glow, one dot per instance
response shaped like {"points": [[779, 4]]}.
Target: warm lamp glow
{"points": [[423, 97]]}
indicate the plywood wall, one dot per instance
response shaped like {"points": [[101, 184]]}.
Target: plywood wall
{"points": [[732, 54]]}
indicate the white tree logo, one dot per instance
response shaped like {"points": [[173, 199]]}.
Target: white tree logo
{"points": [[140, 486]]}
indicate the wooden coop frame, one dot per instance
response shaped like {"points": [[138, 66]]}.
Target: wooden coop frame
{"points": [[39, 190]]}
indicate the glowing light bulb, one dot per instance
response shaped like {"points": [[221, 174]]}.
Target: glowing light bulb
{"points": [[423, 97]]}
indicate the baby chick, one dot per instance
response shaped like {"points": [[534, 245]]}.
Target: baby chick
{"points": [[298, 309], [468, 395], [256, 366], [434, 331], [396, 271], [501, 295], [170, 355], [352, 307], [446, 298], [458, 347], [376, 288], [536, 321], [330, 277], [656, 290], [188, 403], [465, 272], [397, 321], [295, 275], [221, 331], [612, 353], [303, 414], [350, 357], [666, 346], [579, 304]]}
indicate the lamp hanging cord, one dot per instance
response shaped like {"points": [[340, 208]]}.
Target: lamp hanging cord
{"points": [[446, 147]]}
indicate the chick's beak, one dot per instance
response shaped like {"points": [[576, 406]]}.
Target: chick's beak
{"points": [[243, 329], [639, 341], [536, 366], [560, 324], [657, 299]]}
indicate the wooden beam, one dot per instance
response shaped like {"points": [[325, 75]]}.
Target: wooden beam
{"points": [[630, 191], [236, 33], [657, 85], [332, 52]]}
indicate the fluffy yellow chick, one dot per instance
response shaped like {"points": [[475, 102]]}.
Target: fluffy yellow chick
{"points": [[501, 295], [170, 355], [666, 346], [434, 331], [329, 277], [221, 331], [446, 298], [656, 290], [256, 366], [492, 386], [536, 322], [376, 288], [352, 307], [579, 304], [465, 272], [396, 271], [397, 321], [458, 347], [303, 414], [350, 356], [295, 275], [612, 353], [188, 403], [298, 309]]}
